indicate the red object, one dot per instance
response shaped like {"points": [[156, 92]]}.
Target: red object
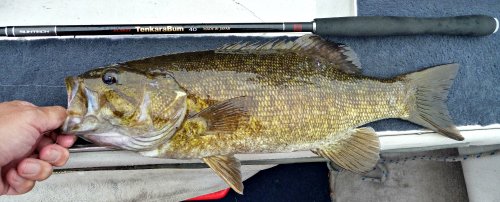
{"points": [[297, 27], [212, 196]]}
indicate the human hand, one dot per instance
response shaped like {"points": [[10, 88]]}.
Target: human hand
{"points": [[27, 148]]}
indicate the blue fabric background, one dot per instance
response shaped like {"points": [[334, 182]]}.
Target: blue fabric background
{"points": [[34, 70]]}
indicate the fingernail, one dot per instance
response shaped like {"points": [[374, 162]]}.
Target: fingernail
{"points": [[53, 155], [31, 168]]}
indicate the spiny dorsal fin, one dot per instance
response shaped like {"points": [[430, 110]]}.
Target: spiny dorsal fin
{"points": [[261, 47], [339, 56], [358, 153], [228, 168], [226, 116]]}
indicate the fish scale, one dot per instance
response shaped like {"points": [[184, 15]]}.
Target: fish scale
{"points": [[282, 96], [341, 101]]}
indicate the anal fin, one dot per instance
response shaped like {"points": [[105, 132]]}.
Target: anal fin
{"points": [[358, 153], [228, 168]]}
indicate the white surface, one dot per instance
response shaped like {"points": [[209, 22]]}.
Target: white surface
{"points": [[391, 141], [49, 12], [482, 175], [425, 140], [82, 12], [129, 185], [496, 27]]}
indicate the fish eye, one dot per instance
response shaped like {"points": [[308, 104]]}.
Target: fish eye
{"points": [[110, 77]]}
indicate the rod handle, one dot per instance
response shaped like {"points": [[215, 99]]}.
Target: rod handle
{"points": [[468, 25]]}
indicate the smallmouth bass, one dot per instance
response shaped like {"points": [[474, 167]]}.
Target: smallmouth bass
{"points": [[281, 96]]}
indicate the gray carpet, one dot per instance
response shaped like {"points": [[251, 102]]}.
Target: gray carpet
{"points": [[34, 71]]}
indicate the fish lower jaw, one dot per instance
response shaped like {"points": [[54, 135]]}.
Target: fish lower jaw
{"points": [[80, 133]]}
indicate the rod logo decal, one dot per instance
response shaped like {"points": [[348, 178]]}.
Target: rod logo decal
{"points": [[152, 29]]}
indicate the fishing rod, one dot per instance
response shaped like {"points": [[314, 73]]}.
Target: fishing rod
{"points": [[469, 25]]}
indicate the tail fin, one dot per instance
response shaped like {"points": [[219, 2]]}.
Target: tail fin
{"points": [[430, 95]]}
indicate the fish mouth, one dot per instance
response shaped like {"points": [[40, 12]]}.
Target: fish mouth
{"points": [[72, 86], [71, 123], [80, 125], [83, 121], [77, 122]]}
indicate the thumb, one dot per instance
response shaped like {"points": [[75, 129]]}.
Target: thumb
{"points": [[51, 118]]}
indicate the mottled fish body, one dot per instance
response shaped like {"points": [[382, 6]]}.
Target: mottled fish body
{"points": [[306, 94]]}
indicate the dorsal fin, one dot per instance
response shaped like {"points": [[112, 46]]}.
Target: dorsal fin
{"points": [[339, 56]]}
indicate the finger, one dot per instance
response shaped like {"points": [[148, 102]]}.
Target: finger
{"points": [[34, 169], [66, 140], [12, 106], [44, 141], [18, 184], [3, 184], [22, 103], [51, 134], [54, 154], [52, 118]]}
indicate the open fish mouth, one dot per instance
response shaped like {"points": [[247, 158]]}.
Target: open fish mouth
{"points": [[83, 120], [72, 121], [77, 121], [75, 125], [72, 86]]}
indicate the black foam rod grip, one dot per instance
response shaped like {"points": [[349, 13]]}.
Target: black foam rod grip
{"points": [[470, 25]]}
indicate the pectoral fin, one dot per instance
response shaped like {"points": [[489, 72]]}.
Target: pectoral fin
{"points": [[228, 168], [226, 116], [358, 153]]}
